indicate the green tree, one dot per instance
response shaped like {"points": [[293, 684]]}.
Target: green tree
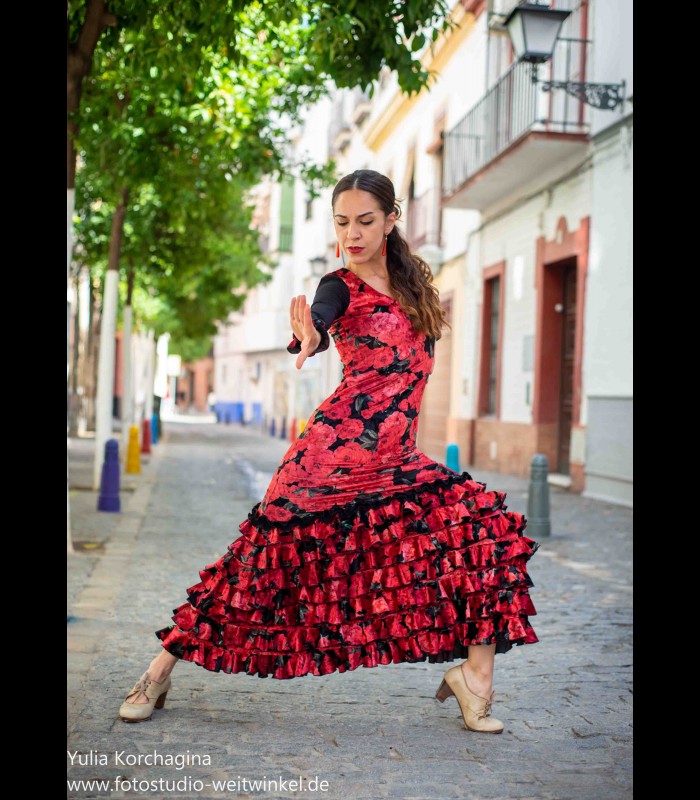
{"points": [[313, 41]]}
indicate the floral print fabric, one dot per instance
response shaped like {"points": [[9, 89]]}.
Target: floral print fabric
{"points": [[363, 551]]}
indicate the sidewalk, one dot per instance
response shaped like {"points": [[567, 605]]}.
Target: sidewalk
{"points": [[373, 733]]}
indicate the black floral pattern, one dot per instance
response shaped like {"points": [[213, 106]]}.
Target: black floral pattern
{"points": [[363, 550]]}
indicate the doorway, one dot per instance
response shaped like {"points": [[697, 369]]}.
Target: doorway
{"points": [[555, 377], [568, 353]]}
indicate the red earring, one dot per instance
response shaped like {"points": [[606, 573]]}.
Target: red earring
{"points": [[384, 247], [337, 250]]}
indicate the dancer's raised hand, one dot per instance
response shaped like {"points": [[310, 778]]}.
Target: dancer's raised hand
{"points": [[303, 327]]}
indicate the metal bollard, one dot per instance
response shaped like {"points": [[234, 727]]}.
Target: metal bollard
{"points": [[273, 430], [452, 457], [283, 428], [538, 524]]}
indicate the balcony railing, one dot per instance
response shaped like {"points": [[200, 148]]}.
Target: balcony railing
{"points": [[509, 110], [423, 219]]}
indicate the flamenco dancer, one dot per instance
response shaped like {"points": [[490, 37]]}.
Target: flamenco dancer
{"points": [[363, 551]]}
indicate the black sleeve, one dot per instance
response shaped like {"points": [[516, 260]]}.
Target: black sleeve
{"points": [[331, 301]]}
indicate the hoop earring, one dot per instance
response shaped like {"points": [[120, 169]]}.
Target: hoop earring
{"points": [[384, 246], [337, 250]]}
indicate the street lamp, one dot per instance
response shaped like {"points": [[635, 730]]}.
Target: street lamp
{"points": [[533, 29], [318, 265]]}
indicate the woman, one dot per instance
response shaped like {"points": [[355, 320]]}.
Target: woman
{"points": [[363, 551]]}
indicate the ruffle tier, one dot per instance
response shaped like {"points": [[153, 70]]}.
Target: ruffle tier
{"points": [[418, 576]]}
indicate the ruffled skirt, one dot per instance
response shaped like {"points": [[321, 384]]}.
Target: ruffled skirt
{"points": [[418, 576]]}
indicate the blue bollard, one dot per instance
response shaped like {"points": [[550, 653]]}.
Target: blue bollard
{"points": [[272, 427], [283, 428], [452, 458], [155, 430], [109, 485]]}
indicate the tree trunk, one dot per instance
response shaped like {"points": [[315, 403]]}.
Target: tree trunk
{"points": [[93, 345], [105, 374], [74, 360], [82, 356], [71, 204], [128, 399], [150, 377], [79, 61]]}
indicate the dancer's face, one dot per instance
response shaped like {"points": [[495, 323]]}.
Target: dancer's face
{"points": [[361, 225]]}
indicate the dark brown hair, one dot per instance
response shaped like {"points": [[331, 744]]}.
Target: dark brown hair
{"points": [[410, 278]]}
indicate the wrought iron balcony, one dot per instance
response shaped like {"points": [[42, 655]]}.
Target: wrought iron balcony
{"points": [[514, 134]]}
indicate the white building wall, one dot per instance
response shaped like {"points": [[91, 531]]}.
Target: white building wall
{"points": [[512, 238], [611, 32], [609, 332], [608, 346]]}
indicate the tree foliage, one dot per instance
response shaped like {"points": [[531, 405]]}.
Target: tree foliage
{"points": [[186, 105]]}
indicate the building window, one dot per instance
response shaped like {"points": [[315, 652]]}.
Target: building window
{"points": [[491, 342]]}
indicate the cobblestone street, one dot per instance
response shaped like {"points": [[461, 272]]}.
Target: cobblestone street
{"points": [[371, 733]]}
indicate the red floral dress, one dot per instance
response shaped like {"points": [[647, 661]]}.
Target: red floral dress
{"points": [[363, 551]]}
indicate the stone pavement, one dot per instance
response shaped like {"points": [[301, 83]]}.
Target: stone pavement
{"points": [[371, 733]]}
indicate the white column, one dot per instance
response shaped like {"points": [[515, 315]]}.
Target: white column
{"points": [[128, 398], [71, 206], [105, 372], [159, 383], [69, 237], [150, 377]]}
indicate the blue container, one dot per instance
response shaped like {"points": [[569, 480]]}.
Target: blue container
{"points": [[155, 429]]}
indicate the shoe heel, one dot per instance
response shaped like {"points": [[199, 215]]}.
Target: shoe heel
{"points": [[443, 691], [160, 702]]}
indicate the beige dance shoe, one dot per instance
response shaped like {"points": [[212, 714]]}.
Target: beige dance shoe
{"points": [[156, 694], [476, 711]]}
